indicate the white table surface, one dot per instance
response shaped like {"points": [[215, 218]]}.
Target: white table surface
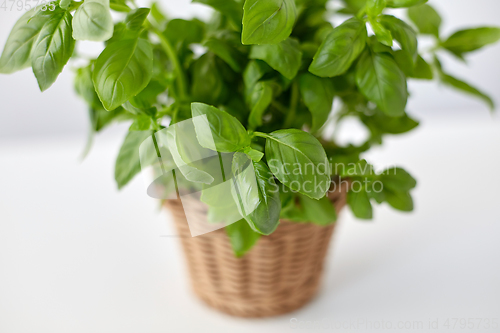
{"points": [[76, 256]]}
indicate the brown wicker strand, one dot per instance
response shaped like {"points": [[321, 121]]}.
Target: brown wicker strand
{"points": [[280, 274]]}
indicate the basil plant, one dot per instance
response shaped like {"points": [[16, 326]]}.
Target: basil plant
{"points": [[262, 75]]}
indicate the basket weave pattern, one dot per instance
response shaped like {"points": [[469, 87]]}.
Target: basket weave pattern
{"points": [[281, 273]]}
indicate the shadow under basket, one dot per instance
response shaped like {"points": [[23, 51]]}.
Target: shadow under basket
{"points": [[280, 274]]}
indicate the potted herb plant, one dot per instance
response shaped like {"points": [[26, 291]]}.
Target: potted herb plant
{"points": [[254, 89]]}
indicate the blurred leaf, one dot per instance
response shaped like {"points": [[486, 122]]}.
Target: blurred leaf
{"points": [[268, 21], [404, 34], [381, 81], [339, 50], [359, 202], [284, 57], [469, 40], [320, 212], [242, 237], [230, 8], [404, 3], [318, 94], [426, 19]]}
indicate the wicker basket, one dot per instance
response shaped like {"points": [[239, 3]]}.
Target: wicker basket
{"points": [[280, 274]]}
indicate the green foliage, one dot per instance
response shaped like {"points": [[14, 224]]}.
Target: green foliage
{"points": [[299, 161], [122, 70], [469, 40], [93, 21], [128, 162], [318, 94], [259, 80], [260, 99], [267, 21], [216, 127], [230, 8], [242, 237], [17, 50], [340, 49], [359, 202], [320, 212], [427, 20], [404, 34], [380, 79], [284, 57], [404, 3], [256, 194], [52, 49], [462, 86]]}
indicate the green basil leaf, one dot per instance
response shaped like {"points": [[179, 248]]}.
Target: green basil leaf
{"points": [[467, 88], [360, 204], [128, 163], [339, 50], [136, 18], [290, 210], [320, 212], [85, 87], [148, 96], [382, 124], [353, 6], [318, 94], [236, 107], [234, 58], [219, 128], [426, 19], [93, 21], [122, 70], [218, 195], [254, 154], [469, 40], [404, 3], [383, 35], [462, 86], [404, 34], [230, 8], [268, 21], [256, 193], [64, 4], [299, 161], [397, 180], [242, 237], [379, 78], [399, 200], [181, 150], [285, 57], [17, 50], [157, 14], [119, 6], [52, 49], [421, 70], [379, 197], [375, 7], [179, 31], [208, 85], [141, 123], [254, 71], [260, 99], [101, 118]]}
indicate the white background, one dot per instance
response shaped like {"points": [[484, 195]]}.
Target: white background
{"points": [[76, 255]]}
